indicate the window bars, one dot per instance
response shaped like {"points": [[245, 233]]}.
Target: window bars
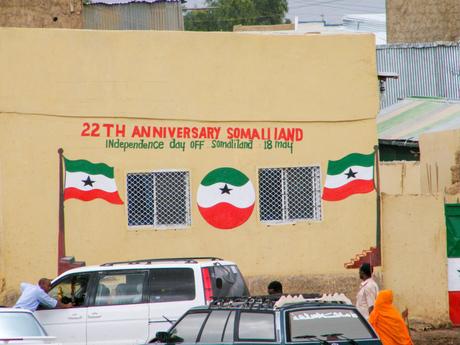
{"points": [[289, 194], [159, 199]]}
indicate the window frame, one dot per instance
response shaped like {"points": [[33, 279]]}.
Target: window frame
{"points": [[155, 225], [89, 288], [198, 339], [236, 335], [100, 274], [150, 284], [285, 201]]}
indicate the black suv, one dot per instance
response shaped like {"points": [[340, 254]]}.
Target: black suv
{"points": [[264, 320]]}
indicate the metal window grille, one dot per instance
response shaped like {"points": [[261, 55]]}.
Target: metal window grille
{"points": [[159, 199], [289, 194]]}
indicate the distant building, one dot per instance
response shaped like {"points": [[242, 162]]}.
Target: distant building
{"points": [[93, 14], [424, 70], [133, 15], [353, 23]]}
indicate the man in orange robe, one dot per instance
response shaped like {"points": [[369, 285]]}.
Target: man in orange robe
{"points": [[388, 322]]}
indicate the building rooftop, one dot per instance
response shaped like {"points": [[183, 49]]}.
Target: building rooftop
{"points": [[354, 23], [407, 119]]}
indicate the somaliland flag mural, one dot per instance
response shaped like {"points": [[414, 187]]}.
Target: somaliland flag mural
{"points": [[226, 198], [88, 181], [353, 174]]}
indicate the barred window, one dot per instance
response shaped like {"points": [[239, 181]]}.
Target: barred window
{"points": [[159, 199], [289, 194]]}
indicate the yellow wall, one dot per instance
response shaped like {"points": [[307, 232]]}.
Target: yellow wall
{"points": [[414, 255], [188, 75], [53, 81], [400, 177], [437, 156]]}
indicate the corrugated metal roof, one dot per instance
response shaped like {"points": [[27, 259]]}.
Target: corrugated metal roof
{"points": [[121, 2], [408, 119], [136, 16], [424, 69]]}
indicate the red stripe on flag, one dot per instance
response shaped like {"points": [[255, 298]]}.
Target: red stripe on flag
{"points": [[454, 307], [75, 193], [353, 187], [225, 216]]}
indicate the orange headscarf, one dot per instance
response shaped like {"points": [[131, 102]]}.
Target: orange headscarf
{"points": [[388, 322]]}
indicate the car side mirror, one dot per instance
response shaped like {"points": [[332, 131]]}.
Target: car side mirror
{"points": [[167, 338], [162, 337]]}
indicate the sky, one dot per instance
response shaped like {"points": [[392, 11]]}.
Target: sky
{"points": [[314, 10]]}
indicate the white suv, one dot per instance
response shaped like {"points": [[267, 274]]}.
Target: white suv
{"points": [[128, 302]]}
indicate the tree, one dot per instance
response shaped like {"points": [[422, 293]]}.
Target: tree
{"points": [[222, 15]]}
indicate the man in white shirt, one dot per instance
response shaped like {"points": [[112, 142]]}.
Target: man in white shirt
{"points": [[34, 295], [368, 291]]}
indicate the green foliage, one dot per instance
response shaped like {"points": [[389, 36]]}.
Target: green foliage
{"points": [[222, 15]]}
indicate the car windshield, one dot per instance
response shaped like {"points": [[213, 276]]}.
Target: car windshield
{"points": [[17, 324], [187, 329], [324, 323]]}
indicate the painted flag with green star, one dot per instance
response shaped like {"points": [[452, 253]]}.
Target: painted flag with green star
{"points": [[88, 181], [352, 174], [226, 198]]}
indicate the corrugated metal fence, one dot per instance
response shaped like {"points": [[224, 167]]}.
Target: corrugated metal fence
{"points": [[134, 16], [431, 70]]}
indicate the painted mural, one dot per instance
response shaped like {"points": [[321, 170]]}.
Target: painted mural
{"points": [[226, 198]]}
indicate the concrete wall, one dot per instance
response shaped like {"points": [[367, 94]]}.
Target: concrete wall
{"points": [[140, 78], [400, 178], [41, 13], [414, 255], [423, 21], [437, 157]]}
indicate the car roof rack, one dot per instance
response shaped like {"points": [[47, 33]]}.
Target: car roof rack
{"points": [[251, 303], [277, 301], [154, 260], [258, 302]]}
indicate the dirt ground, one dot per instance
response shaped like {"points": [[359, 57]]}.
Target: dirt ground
{"points": [[437, 337]]}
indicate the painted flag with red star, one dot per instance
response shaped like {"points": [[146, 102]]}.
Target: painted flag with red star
{"points": [[88, 181]]}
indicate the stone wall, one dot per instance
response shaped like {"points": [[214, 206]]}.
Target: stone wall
{"points": [[423, 21], [41, 13]]}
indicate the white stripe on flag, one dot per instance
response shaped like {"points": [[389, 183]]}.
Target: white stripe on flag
{"points": [[241, 197], [453, 274], [362, 173], [76, 180]]}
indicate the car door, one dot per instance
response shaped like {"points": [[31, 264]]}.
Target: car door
{"points": [[118, 313], [172, 291], [68, 325]]}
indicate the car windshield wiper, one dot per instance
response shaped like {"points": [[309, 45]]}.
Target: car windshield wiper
{"points": [[341, 337], [312, 337]]}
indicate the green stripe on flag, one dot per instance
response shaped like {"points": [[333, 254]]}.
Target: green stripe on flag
{"points": [[225, 175], [88, 167], [353, 159], [452, 214]]}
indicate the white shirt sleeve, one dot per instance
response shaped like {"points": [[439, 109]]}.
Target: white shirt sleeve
{"points": [[46, 300]]}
